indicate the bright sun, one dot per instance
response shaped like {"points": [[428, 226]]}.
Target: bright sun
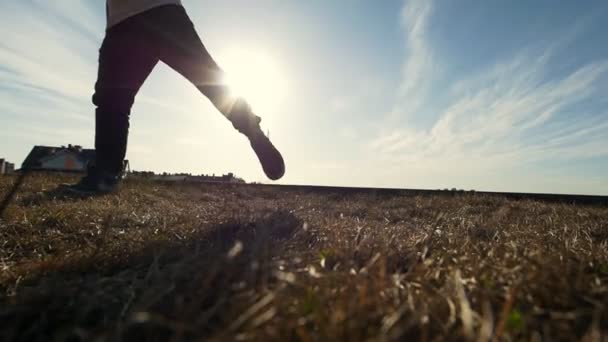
{"points": [[255, 76]]}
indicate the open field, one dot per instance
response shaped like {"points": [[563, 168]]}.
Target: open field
{"points": [[229, 262]]}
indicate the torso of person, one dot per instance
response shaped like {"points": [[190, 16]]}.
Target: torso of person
{"points": [[119, 10]]}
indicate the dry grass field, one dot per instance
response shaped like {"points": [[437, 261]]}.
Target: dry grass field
{"points": [[175, 262]]}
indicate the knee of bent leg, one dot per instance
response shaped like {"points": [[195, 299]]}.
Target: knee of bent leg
{"points": [[114, 99]]}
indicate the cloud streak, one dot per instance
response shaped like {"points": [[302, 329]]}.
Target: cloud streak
{"points": [[418, 68], [507, 116]]}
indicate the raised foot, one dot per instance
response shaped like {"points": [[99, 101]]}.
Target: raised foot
{"points": [[268, 155]]}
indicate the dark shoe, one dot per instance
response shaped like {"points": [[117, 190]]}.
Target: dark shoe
{"points": [[246, 122], [270, 158], [94, 183]]}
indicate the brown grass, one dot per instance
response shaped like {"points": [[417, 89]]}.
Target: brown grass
{"points": [[189, 262]]}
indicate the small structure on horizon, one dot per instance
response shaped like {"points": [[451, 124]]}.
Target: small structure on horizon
{"points": [[187, 177], [227, 178], [6, 167], [72, 158]]}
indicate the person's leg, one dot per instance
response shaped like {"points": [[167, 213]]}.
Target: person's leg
{"points": [[181, 48], [126, 58]]}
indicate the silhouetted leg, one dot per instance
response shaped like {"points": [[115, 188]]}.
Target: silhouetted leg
{"points": [[181, 48], [125, 61]]}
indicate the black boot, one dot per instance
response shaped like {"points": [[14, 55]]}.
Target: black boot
{"points": [[96, 182], [247, 123], [111, 133]]}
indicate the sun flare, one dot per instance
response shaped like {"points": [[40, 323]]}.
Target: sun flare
{"points": [[255, 76]]}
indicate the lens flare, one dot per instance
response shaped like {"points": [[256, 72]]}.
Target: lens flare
{"points": [[256, 77]]}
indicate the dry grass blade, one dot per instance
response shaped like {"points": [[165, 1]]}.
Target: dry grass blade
{"points": [[504, 314], [487, 323], [466, 313], [252, 311]]}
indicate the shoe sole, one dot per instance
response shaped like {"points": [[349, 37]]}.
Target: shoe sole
{"points": [[270, 158]]}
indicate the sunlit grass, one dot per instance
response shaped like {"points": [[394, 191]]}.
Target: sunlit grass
{"points": [[161, 261]]}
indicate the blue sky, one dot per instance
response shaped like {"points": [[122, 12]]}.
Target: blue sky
{"points": [[485, 95]]}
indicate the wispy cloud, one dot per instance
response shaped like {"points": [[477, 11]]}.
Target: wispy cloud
{"points": [[43, 51], [419, 67], [512, 114]]}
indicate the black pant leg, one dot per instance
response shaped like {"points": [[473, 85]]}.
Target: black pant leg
{"points": [[181, 48], [126, 58]]}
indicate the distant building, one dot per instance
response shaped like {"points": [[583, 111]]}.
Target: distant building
{"points": [[6, 167], [65, 159]]}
